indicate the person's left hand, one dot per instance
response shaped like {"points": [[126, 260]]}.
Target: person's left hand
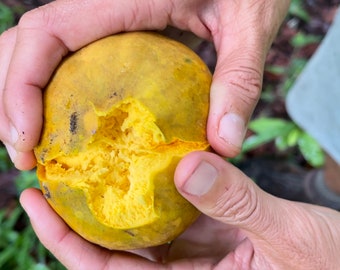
{"points": [[242, 228], [242, 32]]}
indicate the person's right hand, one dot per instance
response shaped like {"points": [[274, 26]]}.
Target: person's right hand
{"points": [[242, 32], [242, 228]]}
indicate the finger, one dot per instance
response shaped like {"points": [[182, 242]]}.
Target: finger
{"points": [[22, 160], [224, 193], [242, 40], [7, 41], [45, 35], [29, 72], [68, 247]]}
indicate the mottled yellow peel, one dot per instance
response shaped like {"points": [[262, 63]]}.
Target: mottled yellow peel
{"points": [[119, 115]]}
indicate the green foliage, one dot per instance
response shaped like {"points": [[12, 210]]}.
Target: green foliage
{"points": [[20, 248], [311, 150], [285, 134], [301, 40], [293, 71], [6, 17], [296, 9], [26, 179], [5, 163]]}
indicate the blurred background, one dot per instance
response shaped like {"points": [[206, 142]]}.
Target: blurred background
{"points": [[272, 134]]}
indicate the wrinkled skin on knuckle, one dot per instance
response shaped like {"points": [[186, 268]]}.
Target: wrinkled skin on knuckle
{"points": [[246, 82], [40, 18], [54, 21], [237, 204]]}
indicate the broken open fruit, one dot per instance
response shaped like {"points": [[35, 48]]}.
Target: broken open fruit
{"points": [[119, 114]]}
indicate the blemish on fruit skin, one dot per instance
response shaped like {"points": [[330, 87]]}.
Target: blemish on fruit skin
{"points": [[129, 232], [188, 60], [63, 150], [114, 94], [46, 192], [43, 154], [73, 123]]}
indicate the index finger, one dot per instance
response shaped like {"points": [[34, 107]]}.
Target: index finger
{"points": [[44, 36]]}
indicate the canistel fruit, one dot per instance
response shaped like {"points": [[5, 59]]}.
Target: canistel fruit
{"points": [[119, 114]]}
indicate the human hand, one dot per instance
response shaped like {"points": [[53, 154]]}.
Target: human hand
{"points": [[242, 32], [242, 228]]}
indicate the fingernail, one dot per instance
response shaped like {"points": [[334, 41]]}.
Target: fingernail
{"points": [[232, 129], [202, 179], [14, 134]]}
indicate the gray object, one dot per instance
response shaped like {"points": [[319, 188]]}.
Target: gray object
{"points": [[314, 100]]}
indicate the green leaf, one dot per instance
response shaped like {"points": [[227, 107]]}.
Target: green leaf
{"points": [[296, 9], [39, 266], [266, 129], [311, 150], [293, 136], [253, 142], [6, 17], [10, 221], [26, 179], [289, 139], [301, 40], [281, 143], [271, 127], [275, 69], [5, 162], [6, 255], [294, 70]]}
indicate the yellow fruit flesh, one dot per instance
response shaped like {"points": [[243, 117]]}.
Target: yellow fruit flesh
{"points": [[112, 170], [118, 116]]}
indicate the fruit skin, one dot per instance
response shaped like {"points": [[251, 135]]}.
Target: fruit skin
{"points": [[119, 114]]}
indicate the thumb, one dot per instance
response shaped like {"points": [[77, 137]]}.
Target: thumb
{"points": [[221, 191]]}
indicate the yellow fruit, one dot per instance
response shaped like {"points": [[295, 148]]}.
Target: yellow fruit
{"points": [[119, 114]]}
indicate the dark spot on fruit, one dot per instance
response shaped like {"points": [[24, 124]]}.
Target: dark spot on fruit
{"points": [[129, 233], [43, 154], [114, 94], [46, 192], [73, 123], [188, 60]]}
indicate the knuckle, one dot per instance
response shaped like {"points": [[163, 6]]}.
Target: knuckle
{"points": [[237, 204], [43, 17], [246, 83]]}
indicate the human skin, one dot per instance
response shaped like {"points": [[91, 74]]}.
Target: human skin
{"points": [[242, 32], [242, 228]]}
